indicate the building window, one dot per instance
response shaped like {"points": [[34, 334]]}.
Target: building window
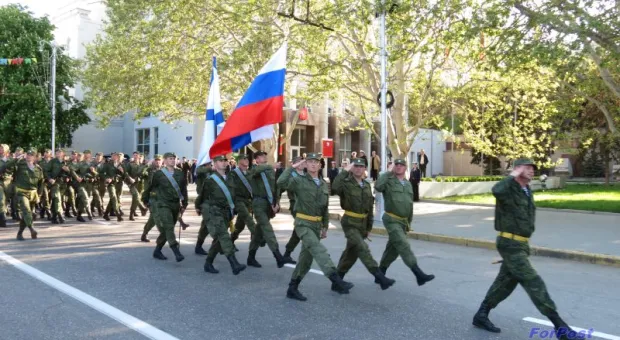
{"points": [[298, 141], [143, 141], [155, 140], [345, 146]]}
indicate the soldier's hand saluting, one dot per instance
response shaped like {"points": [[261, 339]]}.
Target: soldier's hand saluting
{"points": [[517, 171], [299, 164]]}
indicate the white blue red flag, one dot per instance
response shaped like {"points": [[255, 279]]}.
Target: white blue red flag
{"points": [[258, 110], [214, 122]]}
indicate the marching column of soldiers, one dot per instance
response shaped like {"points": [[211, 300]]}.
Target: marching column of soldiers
{"points": [[231, 199]]}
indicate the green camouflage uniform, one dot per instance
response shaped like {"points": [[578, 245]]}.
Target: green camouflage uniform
{"points": [[45, 191], [221, 212], [112, 171], [311, 218], [282, 186], [27, 183], [201, 175], [61, 178], [165, 199], [5, 181], [150, 223], [515, 215], [262, 208], [243, 203], [398, 199], [137, 172]]}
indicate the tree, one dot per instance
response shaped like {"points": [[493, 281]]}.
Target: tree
{"points": [[155, 56], [25, 116], [510, 115]]}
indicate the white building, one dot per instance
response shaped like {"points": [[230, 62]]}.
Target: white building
{"points": [[78, 22]]}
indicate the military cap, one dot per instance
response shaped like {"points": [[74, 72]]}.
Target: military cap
{"points": [[138, 152], [73, 152], [60, 150], [19, 149], [86, 152], [259, 153], [524, 161], [47, 151], [157, 156], [241, 156], [400, 161], [170, 154], [32, 152], [220, 158], [297, 159], [99, 154], [358, 162], [313, 155]]}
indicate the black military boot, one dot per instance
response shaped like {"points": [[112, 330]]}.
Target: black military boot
{"points": [[342, 287], [158, 254], [481, 319], [42, 213], [119, 218], [54, 218], [287, 258], [279, 258], [208, 267], [337, 288], [89, 214], [143, 237], [383, 281], [2, 220], [235, 265], [561, 327], [99, 212], [48, 214], [61, 219], [106, 216], [293, 290], [20, 237], [131, 215], [252, 259], [33, 233], [68, 211], [199, 250], [383, 270], [177, 253], [80, 218], [120, 211], [143, 211], [420, 276]]}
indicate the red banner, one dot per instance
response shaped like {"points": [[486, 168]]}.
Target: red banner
{"points": [[328, 148]]}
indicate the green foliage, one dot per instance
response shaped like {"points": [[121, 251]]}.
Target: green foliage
{"points": [[25, 116], [451, 179]]}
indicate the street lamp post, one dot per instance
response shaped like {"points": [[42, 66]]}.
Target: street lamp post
{"points": [[52, 89], [379, 208]]}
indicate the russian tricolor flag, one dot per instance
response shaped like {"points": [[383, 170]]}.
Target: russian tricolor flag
{"points": [[214, 120], [259, 108]]}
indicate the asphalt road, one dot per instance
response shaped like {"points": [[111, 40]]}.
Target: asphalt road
{"points": [[129, 294]]}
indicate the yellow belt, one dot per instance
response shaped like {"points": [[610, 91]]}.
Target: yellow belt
{"points": [[25, 190], [514, 237], [354, 214], [309, 218], [397, 217]]}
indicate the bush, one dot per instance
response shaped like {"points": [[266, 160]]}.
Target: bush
{"points": [[450, 179]]}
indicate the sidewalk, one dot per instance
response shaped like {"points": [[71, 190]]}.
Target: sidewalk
{"points": [[576, 236], [584, 237]]}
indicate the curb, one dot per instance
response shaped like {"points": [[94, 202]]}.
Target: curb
{"points": [[537, 208], [577, 256]]}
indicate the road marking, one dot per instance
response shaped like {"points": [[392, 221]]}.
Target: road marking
{"points": [[576, 329], [311, 270], [102, 222], [96, 304]]}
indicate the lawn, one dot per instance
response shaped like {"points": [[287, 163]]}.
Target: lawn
{"points": [[574, 196]]}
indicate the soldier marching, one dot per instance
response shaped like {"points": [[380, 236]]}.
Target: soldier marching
{"points": [[233, 197]]}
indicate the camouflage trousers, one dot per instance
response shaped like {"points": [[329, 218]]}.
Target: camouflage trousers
{"points": [[517, 269], [311, 249], [356, 247]]}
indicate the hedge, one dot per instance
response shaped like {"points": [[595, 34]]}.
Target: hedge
{"points": [[463, 179]]}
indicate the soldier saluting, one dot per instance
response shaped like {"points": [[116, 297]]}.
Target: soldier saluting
{"points": [[357, 201], [311, 223], [514, 220], [398, 197]]}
